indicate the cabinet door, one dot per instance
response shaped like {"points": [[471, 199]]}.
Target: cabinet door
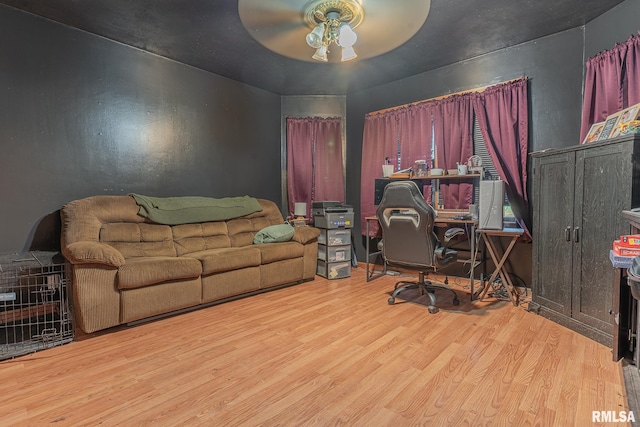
{"points": [[552, 243], [603, 190]]}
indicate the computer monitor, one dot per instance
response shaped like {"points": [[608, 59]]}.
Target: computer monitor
{"points": [[381, 183]]}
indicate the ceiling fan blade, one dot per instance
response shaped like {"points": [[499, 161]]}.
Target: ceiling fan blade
{"points": [[278, 25], [265, 13]]}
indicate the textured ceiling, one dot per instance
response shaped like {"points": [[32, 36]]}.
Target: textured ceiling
{"points": [[209, 35]]}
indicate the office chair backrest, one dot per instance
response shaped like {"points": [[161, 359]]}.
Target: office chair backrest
{"points": [[406, 220]]}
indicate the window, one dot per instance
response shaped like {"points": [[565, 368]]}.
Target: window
{"points": [[489, 169]]}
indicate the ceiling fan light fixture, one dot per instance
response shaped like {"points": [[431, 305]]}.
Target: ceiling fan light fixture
{"points": [[347, 37], [288, 27], [348, 53], [321, 54], [314, 38], [338, 19]]}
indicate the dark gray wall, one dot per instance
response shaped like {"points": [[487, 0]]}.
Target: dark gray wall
{"points": [[613, 27], [81, 115]]}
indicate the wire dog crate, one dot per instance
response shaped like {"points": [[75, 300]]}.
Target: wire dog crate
{"points": [[34, 308]]}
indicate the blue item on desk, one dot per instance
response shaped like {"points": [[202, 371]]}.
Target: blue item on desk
{"points": [[619, 261], [464, 217]]}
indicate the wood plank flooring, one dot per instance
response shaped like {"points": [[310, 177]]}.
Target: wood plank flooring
{"points": [[318, 354]]}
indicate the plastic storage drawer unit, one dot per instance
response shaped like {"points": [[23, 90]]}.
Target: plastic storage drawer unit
{"points": [[334, 253], [333, 270], [335, 237]]}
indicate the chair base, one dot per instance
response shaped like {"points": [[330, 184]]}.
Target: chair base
{"points": [[423, 286]]}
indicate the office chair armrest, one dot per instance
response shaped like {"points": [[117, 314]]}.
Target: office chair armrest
{"points": [[442, 252], [450, 234]]}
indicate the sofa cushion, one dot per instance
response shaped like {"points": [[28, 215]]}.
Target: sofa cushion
{"points": [[242, 230], [144, 271], [190, 238], [274, 233], [225, 259], [139, 239], [273, 252]]}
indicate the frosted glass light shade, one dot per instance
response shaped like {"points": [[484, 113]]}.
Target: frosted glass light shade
{"points": [[347, 37], [321, 54], [314, 38], [348, 53]]}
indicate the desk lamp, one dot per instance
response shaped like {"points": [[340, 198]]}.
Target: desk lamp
{"points": [[299, 213]]}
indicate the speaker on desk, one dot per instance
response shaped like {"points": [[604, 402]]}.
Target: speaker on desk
{"points": [[491, 205]]}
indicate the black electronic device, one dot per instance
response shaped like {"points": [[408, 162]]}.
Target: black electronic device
{"points": [[325, 204], [324, 208]]}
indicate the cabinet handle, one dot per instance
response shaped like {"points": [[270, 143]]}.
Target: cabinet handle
{"points": [[576, 234], [567, 234]]}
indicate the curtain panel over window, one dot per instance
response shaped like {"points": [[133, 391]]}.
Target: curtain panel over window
{"points": [[380, 142], [612, 83], [453, 125], [408, 132], [503, 117], [314, 160]]}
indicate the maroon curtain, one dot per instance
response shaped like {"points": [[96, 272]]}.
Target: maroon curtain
{"points": [[314, 160], [602, 87], [503, 118], [453, 125], [329, 170], [632, 63], [415, 134], [416, 138], [379, 142], [502, 113], [612, 82], [300, 134]]}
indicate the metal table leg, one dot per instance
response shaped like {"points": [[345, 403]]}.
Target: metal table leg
{"points": [[371, 272]]}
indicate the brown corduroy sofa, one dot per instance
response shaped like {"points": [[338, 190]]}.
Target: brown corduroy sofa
{"points": [[126, 268]]}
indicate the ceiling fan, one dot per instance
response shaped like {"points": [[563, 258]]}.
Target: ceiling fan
{"points": [[294, 29]]}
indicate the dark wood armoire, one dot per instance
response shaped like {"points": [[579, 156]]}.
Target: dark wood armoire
{"points": [[578, 195]]}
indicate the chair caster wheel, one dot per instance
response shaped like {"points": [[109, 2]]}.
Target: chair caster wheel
{"points": [[433, 310], [456, 301], [391, 301]]}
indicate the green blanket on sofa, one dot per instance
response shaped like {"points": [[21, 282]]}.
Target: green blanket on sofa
{"points": [[192, 209]]}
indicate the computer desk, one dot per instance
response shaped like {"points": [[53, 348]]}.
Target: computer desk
{"points": [[443, 217], [490, 237]]}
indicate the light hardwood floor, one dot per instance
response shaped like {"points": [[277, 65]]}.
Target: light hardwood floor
{"points": [[320, 353]]}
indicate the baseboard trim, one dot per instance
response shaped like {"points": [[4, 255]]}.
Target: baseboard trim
{"points": [[589, 332]]}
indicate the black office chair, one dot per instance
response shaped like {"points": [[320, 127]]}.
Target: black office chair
{"points": [[408, 239]]}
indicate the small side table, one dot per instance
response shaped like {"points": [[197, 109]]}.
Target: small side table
{"points": [[489, 238]]}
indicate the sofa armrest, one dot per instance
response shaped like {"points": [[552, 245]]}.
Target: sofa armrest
{"points": [[305, 235], [86, 252]]}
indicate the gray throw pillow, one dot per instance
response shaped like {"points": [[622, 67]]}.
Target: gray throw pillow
{"points": [[274, 233]]}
